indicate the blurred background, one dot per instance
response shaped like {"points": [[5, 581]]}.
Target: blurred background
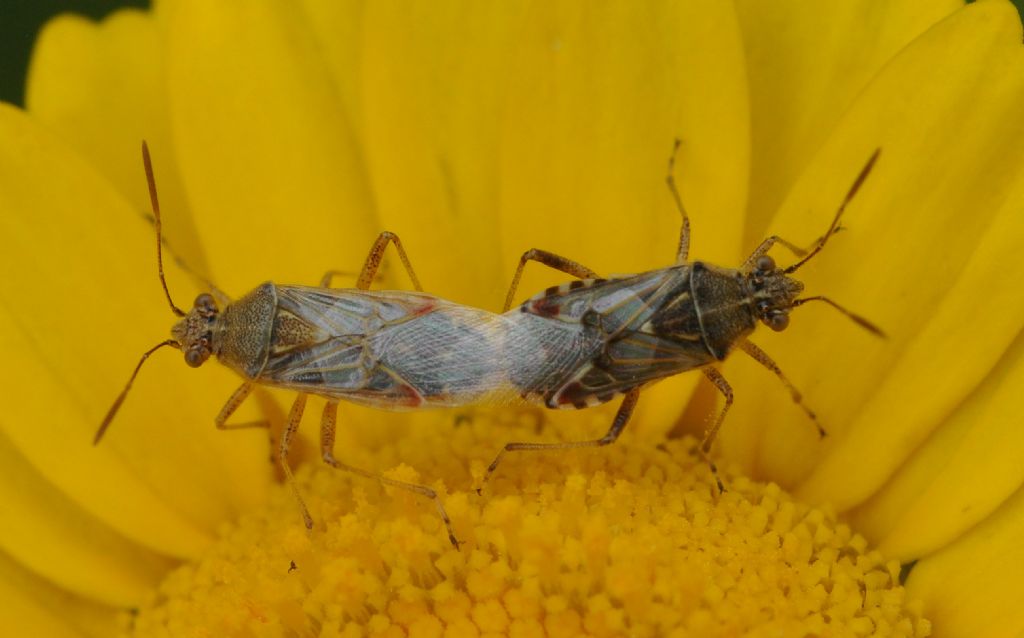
{"points": [[20, 21]]}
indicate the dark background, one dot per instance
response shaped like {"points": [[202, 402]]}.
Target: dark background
{"points": [[20, 21]]}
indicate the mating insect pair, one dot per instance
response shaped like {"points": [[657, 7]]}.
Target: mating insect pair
{"points": [[574, 345]]}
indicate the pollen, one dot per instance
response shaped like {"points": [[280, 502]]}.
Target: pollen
{"points": [[632, 539]]}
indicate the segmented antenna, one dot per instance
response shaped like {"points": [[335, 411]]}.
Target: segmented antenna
{"points": [[120, 398], [842, 207], [155, 203], [860, 321]]}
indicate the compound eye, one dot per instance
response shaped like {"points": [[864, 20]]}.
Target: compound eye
{"points": [[777, 321], [194, 358], [205, 302], [765, 264]]}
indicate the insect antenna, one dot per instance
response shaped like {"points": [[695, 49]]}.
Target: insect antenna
{"points": [[120, 398], [155, 203], [860, 321], [839, 213]]}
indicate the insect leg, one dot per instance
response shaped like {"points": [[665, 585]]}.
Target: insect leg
{"points": [[618, 424], [325, 281], [723, 386], [819, 243], [294, 417], [235, 400], [550, 260], [762, 357], [767, 244], [684, 233], [375, 256], [327, 423]]}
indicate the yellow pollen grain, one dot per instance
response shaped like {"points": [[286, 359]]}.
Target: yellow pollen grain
{"points": [[627, 540]]}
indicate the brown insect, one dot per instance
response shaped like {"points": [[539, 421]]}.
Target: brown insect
{"points": [[646, 327], [376, 348]]}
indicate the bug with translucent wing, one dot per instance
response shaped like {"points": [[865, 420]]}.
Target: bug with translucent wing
{"points": [[389, 349], [656, 324]]}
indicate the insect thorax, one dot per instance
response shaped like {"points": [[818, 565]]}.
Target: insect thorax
{"points": [[723, 304], [241, 339]]}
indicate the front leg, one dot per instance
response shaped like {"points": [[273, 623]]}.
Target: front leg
{"points": [[234, 401], [325, 281], [759, 355], [716, 378], [766, 245], [376, 255], [683, 250], [294, 418], [373, 261]]}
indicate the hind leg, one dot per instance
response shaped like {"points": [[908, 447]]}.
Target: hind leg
{"points": [[327, 434]]}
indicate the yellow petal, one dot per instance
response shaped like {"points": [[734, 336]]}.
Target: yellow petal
{"points": [[807, 62], [596, 96], [34, 607], [54, 538], [100, 88], [338, 28], [913, 235], [970, 327], [972, 587], [431, 114], [276, 185], [51, 433], [77, 311], [964, 471]]}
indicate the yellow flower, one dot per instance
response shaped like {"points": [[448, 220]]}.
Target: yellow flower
{"points": [[285, 135]]}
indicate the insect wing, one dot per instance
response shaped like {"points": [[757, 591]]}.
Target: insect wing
{"points": [[632, 351], [612, 305], [452, 356], [629, 361], [346, 311], [321, 343]]}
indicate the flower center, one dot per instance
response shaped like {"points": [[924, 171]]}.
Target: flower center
{"points": [[628, 539]]}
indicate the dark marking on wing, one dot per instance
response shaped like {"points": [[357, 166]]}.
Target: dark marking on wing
{"points": [[545, 306], [627, 363], [623, 303], [626, 317], [677, 317]]}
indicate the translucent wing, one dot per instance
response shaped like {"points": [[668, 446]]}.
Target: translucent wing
{"points": [[388, 349], [320, 342], [628, 361]]}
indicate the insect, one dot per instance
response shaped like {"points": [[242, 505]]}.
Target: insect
{"points": [[646, 327], [388, 349]]}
